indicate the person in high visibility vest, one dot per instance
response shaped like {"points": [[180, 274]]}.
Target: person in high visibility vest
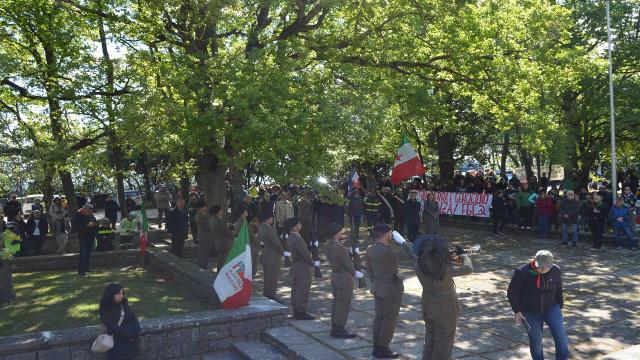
{"points": [[372, 205]]}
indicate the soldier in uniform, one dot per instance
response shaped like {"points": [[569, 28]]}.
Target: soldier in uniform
{"points": [[301, 265], [342, 274], [222, 235], [386, 286], [271, 255], [305, 214]]}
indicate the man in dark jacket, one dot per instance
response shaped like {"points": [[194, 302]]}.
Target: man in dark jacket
{"points": [[85, 225], [498, 212], [355, 209], [412, 215], [178, 227], [37, 229], [569, 209], [111, 209], [372, 210], [12, 208], [535, 295]]}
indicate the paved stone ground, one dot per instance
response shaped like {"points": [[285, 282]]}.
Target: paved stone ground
{"points": [[602, 296]]}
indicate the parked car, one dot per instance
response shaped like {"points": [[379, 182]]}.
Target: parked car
{"points": [[135, 195], [28, 202]]}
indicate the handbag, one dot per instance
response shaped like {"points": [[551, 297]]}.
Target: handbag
{"points": [[104, 342]]}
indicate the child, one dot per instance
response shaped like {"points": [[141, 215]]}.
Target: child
{"points": [[597, 217]]}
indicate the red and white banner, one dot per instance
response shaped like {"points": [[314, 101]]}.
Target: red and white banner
{"points": [[466, 204]]}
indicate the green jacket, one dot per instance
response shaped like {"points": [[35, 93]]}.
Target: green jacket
{"points": [[522, 198]]}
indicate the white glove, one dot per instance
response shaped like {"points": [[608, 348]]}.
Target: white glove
{"points": [[287, 254], [398, 238], [357, 250], [316, 263], [315, 243], [359, 275]]}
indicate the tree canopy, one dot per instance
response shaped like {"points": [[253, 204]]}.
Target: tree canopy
{"points": [[208, 91]]}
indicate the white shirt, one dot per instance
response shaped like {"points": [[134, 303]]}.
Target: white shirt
{"points": [[36, 232]]}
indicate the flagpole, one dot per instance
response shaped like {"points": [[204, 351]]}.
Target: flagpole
{"points": [[614, 175]]}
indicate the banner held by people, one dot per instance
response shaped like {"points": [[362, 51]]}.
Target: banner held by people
{"points": [[233, 282], [465, 204], [407, 163]]}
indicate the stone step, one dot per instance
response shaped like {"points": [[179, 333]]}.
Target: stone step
{"points": [[298, 345], [257, 350], [221, 355], [629, 353]]}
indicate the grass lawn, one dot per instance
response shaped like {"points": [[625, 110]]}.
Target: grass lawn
{"points": [[62, 299]]}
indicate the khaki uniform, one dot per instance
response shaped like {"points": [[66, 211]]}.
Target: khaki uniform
{"points": [[271, 258], [205, 239], [342, 280], [440, 311], [305, 214], [387, 288], [301, 265], [222, 239]]}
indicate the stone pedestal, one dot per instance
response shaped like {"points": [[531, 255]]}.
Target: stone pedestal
{"points": [[7, 293]]}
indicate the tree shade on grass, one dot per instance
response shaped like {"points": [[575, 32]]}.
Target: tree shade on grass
{"points": [[61, 299]]}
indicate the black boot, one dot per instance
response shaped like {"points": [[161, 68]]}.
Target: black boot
{"points": [[303, 316], [340, 332], [383, 352]]}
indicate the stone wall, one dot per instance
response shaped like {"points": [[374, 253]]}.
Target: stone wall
{"points": [[198, 280], [70, 261], [173, 337]]}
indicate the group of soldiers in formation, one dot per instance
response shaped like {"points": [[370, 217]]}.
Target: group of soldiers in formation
{"points": [[283, 235]]}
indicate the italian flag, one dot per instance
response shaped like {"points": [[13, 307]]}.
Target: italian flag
{"points": [[407, 163], [144, 240], [233, 282]]}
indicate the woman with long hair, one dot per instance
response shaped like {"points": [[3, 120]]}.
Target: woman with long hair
{"points": [[436, 267], [120, 322]]}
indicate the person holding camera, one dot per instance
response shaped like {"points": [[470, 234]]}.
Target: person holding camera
{"points": [[535, 294], [436, 267]]}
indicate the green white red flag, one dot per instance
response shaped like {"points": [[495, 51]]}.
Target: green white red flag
{"points": [[407, 163], [144, 240], [233, 282]]}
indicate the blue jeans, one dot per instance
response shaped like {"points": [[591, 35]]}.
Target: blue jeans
{"points": [[544, 225], [565, 228], [553, 319], [626, 229]]}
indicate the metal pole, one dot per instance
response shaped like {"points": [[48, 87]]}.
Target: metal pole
{"points": [[614, 180]]}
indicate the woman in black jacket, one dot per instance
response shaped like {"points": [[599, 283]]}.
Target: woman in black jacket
{"points": [[535, 295], [125, 332]]}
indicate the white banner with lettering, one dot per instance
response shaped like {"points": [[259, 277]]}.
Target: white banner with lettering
{"points": [[466, 204]]}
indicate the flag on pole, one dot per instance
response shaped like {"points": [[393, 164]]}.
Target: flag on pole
{"points": [[233, 282], [144, 240], [354, 180], [407, 163]]}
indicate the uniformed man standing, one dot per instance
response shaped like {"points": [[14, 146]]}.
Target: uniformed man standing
{"points": [[342, 275], [305, 214], [386, 286], [301, 265], [271, 255]]}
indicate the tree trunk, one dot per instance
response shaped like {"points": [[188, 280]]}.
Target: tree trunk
{"points": [[538, 164], [527, 161], [550, 168], [445, 144], [505, 153], [211, 180], [7, 292], [119, 164], [47, 189]]}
